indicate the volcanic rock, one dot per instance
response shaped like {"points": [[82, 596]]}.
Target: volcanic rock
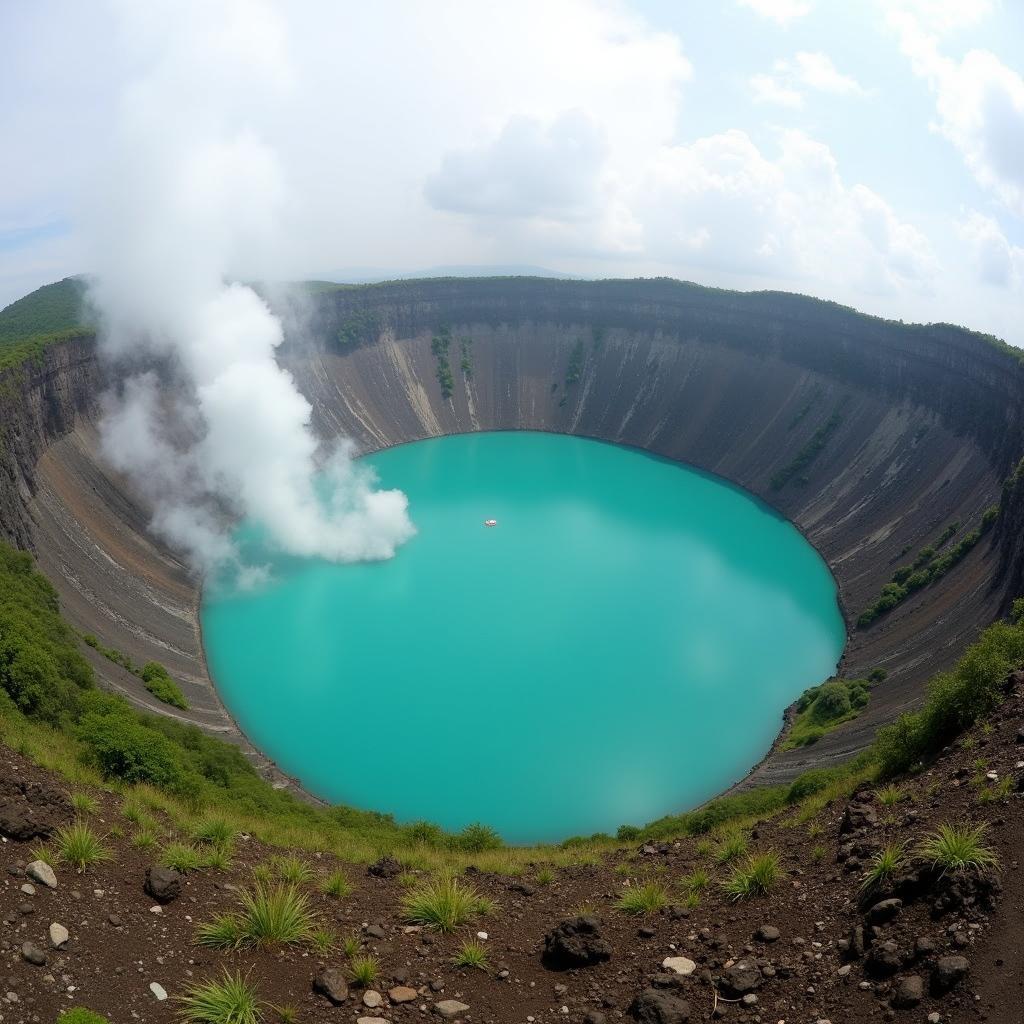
{"points": [[656, 1006], [576, 942], [332, 984], [163, 884]]}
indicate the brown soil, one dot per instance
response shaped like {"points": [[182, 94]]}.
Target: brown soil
{"points": [[109, 964]]}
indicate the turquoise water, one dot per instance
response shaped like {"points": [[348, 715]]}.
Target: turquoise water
{"points": [[621, 646]]}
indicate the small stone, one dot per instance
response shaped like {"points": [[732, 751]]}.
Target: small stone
{"points": [[482, 935], [884, 910], [42, 873], [749, 999], [375, 931], [679, 965], [28, 890], [371, 1020], [934, 1017], [909, 992], [158, 990], [33, 954], [436, 985], [58, 935], [646, 932], [449, 1008], [114, 920], [768, 933], [332, 984], [843, 971], [948, 973], [402, 994], [742, 977], [372, 999]]}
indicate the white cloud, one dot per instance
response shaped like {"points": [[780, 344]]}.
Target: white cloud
{"points": [[782, 11], [979, 100], [788, 217], [996, 260], [789, 79]]}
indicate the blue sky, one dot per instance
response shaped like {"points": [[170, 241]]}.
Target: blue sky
{"points": [[870, 152]]}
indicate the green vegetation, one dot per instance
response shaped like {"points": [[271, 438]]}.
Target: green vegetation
{"points": [[884, 866], [732, 845], [162, 686], [229, 1000], [157, 679], [80, 1015], [644, 898], [926, 568], [79, 846], [821, 708], [958, 848], [754, 877], [801, 415], [214, 831], [292, 869], [889, 796], [54, 308], [268, 916], [359, 328], [696, 882], [809, 452], [83, 804], [956, 699], [364, 970], [182, 857], [574, 370], [466, 363], [471, 954], [337, 885], [439, 345], [323, 940], [443, 903]]}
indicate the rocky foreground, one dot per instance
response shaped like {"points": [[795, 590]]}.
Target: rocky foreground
{"points": [[925, 944]]}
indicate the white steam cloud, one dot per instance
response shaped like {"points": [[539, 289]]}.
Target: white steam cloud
{"points": [[205, 421]]}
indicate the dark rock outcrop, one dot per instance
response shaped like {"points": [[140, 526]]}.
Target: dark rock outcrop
{"points": [[29, 810], [577, 942], [658, 1006]]}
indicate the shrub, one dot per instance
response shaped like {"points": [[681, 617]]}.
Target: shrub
{"points": [[162, 686], [958, 848], [809, 783], [443, 903], [754, 878], [644, 898], [627, 833], [230, 1000], [471, 954], [78, 845], [476, 838]]}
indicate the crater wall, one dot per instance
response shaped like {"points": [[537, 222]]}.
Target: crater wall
{"points": [[911, 428]]}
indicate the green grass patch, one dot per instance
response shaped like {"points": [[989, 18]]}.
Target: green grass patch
{"points": [[79, 846], [754, 877], [230, 999], [443, 903], [471, 954], [643, 898], [958, 848]]}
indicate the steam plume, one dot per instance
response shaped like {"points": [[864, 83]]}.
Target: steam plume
{"points": [[205, 421]]}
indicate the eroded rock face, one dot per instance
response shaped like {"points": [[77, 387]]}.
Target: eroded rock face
{"points": [[858, 815], [576, 942], [31, 811]]}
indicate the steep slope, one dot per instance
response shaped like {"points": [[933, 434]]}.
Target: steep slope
{"points": [[871, 436]]}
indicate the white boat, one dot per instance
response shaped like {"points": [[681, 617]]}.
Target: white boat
{"points": [[490, 522]]}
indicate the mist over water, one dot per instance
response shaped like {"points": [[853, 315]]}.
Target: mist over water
{"points": [[619, 647]]}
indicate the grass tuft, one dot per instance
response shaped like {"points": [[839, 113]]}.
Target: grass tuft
{"points": [[229, 1000], [181, 857], [444, 903], [79, 846], [884, 865], [732, 846], [754, 877], [958, 848], [364, 970], [83, 804], [471, 954], [336, 884], [214, 832], [644, 898], [292, 869]]}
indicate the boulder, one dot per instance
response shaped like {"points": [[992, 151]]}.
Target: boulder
{"points": [[949, 972], [657, 1006], [908, 993], [332, 985], [576, 942], [163, 884]]}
